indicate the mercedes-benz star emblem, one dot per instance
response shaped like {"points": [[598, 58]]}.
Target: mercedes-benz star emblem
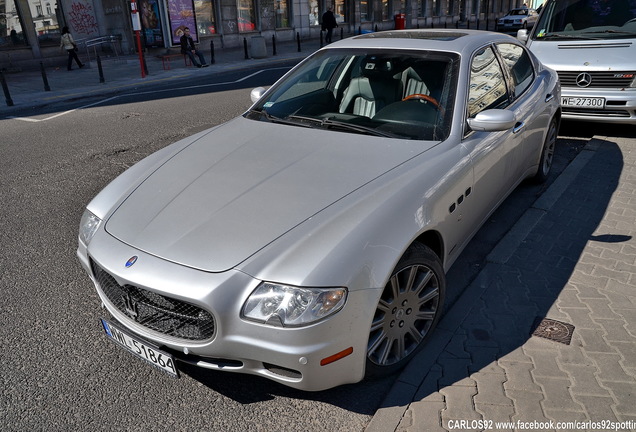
{"points": [[583, 79]]}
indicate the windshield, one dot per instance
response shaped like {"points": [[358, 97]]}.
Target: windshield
{"points": [[587, 19], [394, 94]]}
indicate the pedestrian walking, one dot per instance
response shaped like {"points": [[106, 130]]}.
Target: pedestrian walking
{"points": [[188, 48], [329, 23], [68, 43]]}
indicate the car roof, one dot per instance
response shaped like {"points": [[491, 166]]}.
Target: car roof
{"points": [[450, 40]]}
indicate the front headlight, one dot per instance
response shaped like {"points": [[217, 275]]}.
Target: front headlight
{"points": [[289, 306], [88, 226]]}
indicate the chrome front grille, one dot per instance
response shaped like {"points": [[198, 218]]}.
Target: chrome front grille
{"points": [[596, 79], [156, 312]]}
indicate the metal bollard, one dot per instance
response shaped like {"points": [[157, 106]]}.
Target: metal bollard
{"points": [[298, 40], [359, 30], [273, 44], [101, 70], [247, 57], [321, 42], [5, 89], [46, 81], [341, 33], [212, 61]]}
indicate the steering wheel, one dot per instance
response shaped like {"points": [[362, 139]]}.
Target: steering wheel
{"points": [[420, 96]]}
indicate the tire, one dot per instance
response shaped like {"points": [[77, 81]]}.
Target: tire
{"points": [[408, 311], [547, 152]]}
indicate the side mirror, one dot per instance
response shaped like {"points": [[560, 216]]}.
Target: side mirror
{"points": [[256, 94], [493, 120], [522, 35]]}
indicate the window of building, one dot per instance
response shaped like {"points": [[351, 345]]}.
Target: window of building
{"points": [[206, 20], [246, 16], [282, 14], [385, 10], [365, 10]]}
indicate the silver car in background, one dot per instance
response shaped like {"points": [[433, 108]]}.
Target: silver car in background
{"points": [[515, 19], [307, 240], [592, 46]]}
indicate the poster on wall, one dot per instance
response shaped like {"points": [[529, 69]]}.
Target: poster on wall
{"points": [[151, 23], [181, 15]]}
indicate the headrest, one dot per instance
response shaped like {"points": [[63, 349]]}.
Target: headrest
{"points": [[376, 66]]}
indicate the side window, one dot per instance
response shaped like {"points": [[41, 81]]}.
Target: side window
{"points": [[519, 64], [487, 83]]}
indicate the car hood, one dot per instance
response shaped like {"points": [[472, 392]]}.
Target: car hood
{"points": [[244, 184], [585, 55]]}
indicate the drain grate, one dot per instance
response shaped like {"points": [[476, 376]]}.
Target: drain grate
{"points": [[553, 330]]}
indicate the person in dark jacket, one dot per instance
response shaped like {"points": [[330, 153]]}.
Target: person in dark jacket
{"points": [[188, 48], [329, 23]]}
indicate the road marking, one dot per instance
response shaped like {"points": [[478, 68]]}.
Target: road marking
{"points": [[35, 120]]}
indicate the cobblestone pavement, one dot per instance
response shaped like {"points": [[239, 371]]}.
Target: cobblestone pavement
{"points": [[571, 259]]}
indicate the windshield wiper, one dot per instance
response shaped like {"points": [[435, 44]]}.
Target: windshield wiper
{"points": [[264, 114], [609, 31], [564, 36], [335, 124]]}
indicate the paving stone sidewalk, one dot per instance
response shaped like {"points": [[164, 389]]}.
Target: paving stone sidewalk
{"points": [[571, 259]]}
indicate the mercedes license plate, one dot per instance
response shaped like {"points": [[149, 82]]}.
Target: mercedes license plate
{"points": [[583, 102], [143, 350]]}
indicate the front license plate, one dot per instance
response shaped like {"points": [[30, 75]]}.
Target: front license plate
{"points": [[152, 355], [583, 102]]}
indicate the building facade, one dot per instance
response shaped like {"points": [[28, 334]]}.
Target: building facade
{"points": [[30, 29]]}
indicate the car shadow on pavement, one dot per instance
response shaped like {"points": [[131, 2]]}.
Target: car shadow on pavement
{"points": [[484, 353]]}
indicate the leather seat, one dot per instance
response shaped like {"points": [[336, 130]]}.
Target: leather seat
{"points": [[425, 80], [373, 90]]}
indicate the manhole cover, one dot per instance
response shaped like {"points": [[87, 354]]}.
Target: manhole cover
{"points": [[553, 330]]}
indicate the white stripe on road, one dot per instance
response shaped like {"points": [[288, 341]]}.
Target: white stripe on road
{"points": [[35, 120]]}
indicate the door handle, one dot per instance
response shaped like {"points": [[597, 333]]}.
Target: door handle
{"points": [[518, 127], [549, 97]]}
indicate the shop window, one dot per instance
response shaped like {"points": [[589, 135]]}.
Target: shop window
{"points": [[45, 23], [339, 11], [206, 21], [314, 13], [365, 10], [385, 10], [282, 14], [246, 16], [11, 34]]}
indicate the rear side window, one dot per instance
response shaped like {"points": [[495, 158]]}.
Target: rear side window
{"points": [[519, 64]]}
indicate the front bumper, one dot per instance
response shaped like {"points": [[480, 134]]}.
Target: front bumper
{"points": [[290, 356], [620, 105]]}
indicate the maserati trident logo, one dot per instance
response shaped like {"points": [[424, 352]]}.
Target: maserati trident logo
{"points": [[132, 260], [130, 306], [584, 79]]}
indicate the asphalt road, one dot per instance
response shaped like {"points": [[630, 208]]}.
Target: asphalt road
{"points": [[59, 372]]}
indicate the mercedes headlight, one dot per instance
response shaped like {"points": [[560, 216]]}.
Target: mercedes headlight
{"points": [[88, 226], [290, 306]]}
